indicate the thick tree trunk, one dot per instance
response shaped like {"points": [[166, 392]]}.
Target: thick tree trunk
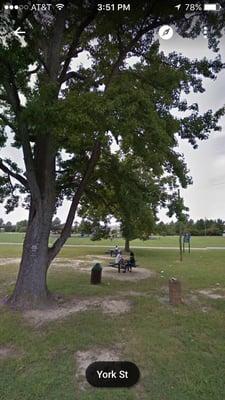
{"points": [[127, 245], [31, 287]]}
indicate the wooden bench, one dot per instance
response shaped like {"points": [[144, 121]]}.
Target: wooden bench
{"points": [[111, 252]]}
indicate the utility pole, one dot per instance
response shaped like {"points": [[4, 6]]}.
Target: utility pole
{"points": [[205, 226]]}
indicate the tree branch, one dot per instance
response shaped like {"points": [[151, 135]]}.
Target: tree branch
{"points": [[71, 75], [2, 97], [33, 71], [14, 175], [7, 122], [29, 164], [75, 42], [53, 251], [53, 53], [11, 88], [13, 99], [124, 51]]}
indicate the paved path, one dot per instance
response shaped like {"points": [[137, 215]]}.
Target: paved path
{"points": [[133, 247]]}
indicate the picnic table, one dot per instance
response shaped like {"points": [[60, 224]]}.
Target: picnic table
{"points": [[112, 252], [122, 265]]}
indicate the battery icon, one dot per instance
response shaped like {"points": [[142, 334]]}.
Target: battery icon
{"points": [[212, 7]]}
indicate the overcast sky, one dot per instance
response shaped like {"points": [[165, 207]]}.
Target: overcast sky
{"points": [[205, 197]]}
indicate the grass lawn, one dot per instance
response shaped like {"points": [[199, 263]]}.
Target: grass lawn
{"points": [[180, 350], [158, 241]]}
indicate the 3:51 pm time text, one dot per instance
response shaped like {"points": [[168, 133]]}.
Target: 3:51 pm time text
{"points": [[114, 7]]}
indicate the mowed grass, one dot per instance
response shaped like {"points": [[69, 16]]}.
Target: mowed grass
{"points": [[180, 351], [157, 241]]}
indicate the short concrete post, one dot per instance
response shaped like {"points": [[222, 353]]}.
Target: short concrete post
{"points": [[175, 292]]}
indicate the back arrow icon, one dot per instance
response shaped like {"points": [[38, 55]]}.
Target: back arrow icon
{"points": [[18, 32]]}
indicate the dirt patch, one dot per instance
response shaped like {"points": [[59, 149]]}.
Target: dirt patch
{"points": [[163, 299], [133, 293], [39, 317], [108, 272], [115, 306], [136, 274], [206, 310], [212, 293], [187, 299], [195, 302], [8, 352], [67, 262], [84, 358], [8, 261], [191, 300], [92, 256], [106, 305], [83, 265]]}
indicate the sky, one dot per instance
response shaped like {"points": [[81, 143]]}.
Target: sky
{"points": [[205, 197]]}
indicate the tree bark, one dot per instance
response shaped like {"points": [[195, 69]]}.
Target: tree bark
{"points": [[127, 245], [31, 287]]}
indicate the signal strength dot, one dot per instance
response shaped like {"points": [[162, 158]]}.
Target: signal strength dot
{"points": [[11, 7], [59, 6]]}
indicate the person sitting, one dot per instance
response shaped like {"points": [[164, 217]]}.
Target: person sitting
{"points": [[118, 258], [114, 252], [130, 263], [117, 250], [119, 261]]}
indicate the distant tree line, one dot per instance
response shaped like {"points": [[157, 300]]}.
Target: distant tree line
{"points": [[201, 227], [94, 229], [20, 226], [97, 231]]}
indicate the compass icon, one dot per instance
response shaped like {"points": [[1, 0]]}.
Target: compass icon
{"points": [[166, 32]]}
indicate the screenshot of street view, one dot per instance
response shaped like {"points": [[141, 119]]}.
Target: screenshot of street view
{"points": [[112, 214]]}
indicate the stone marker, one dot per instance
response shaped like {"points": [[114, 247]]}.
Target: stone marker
{"points": [[96, 274], [175, 292]]}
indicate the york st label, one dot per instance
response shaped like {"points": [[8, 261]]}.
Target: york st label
{"points": [[112, 374]]}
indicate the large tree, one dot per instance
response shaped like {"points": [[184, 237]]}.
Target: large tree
{"points": [[51, 102]]}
